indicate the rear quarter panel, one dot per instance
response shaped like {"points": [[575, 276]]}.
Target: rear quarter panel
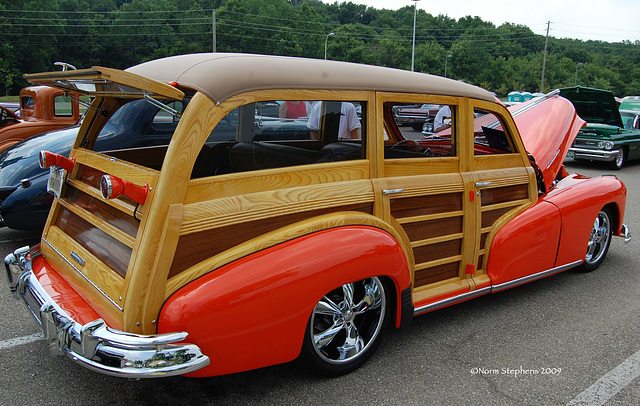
{"points": [[253, 312]]}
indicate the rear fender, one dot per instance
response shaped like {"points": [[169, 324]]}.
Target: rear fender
{"points": [[253, 312]]}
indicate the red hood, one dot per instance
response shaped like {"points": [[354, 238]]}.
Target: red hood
{"points": [[547, 127]]}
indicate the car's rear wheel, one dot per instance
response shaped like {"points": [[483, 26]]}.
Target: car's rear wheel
{"points": [[620, 159], [599, 241], [346, 327]]}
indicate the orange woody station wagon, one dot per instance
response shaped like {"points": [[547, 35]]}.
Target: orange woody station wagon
{"points": [[253, 239]]}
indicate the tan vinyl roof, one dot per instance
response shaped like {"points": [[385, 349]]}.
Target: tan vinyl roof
{"points": [[222, 75]]}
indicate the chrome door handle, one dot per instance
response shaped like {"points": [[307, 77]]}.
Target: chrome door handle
{"points": [[391, 191], [481, 184]]}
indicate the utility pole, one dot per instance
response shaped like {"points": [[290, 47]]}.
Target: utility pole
{"points": [[213, 26], [413, 48], [544, 59]]}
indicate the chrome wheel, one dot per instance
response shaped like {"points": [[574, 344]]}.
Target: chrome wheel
{"points": [[345, 326], [599, 241], [620, 159]]}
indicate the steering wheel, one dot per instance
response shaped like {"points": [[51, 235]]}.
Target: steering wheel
{"points": [[414, 142]]}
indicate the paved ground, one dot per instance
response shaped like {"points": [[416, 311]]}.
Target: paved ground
{"points": [[572, 338]]}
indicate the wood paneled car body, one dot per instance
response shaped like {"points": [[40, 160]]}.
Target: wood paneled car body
{"points": [[229, 250]]}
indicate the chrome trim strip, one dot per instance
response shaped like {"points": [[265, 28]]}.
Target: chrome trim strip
{"points": [[594, 153], [492, 289], [83, 275], [98, 347], [446, 302], [529, 278]]}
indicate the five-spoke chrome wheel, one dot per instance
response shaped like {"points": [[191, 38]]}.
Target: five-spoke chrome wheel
{"points": [[345, 326], [599, 241]]}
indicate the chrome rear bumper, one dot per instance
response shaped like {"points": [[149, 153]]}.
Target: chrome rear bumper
{"points": [[94, 345]]}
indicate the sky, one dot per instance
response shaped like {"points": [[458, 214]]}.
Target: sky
{"points": [[601, 20]]}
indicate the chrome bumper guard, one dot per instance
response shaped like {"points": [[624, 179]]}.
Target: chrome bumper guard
{"points": [[625, 232], [594, 154], [94, 345]]}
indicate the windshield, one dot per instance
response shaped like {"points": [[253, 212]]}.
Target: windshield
{"points": [[628, 120]]}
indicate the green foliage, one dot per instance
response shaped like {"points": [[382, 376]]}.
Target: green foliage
{"points": [[122, 33]]}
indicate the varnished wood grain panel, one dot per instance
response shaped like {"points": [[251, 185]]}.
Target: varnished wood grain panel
{"points": [[274, 179], [107, 249], [483, 240], [425, 205], [196, 247], [436, 274], [480, 263], [504, 194], [437, 251], [420, 166], [490, 217], [100, 209], [423, 230]]}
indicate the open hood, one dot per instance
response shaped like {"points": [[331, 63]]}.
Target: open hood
{"points": [[548, 125], [594, 105]]}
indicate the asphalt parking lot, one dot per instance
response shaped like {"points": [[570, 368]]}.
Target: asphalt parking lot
{"points": [[569, 339]]}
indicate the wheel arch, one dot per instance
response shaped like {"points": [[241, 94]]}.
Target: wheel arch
{"points": [[253, 311]]}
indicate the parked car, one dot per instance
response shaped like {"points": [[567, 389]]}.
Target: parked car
{"points": [[42, 109], [630, 103], [605, 138], [630, 119], [416, 116], [7, 117], [213, 256]]}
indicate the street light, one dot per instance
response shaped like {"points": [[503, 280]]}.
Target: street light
{"points": [[413, 49], [325, 43], [445, 64], [577, 66]]}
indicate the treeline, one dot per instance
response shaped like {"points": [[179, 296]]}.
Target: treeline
{"points": [[119, 33]]}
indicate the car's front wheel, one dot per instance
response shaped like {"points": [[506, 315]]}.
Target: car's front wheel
{"points": [[599, 241], [620, 159], [346, 326]]}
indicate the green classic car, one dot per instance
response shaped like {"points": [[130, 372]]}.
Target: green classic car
{"points": [[605, 137]]}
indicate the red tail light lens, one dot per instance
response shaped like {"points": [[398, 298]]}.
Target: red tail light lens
{"points": [[112, 186], [47, 159]]}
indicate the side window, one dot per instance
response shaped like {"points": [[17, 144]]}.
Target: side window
{"points": [[282, 133], [418, 130], [490, 137], [27, 104], [62, 106]]}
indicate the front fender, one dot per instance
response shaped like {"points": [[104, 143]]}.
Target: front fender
{"points": [[27, 208], [579, 200], [253, 312]]}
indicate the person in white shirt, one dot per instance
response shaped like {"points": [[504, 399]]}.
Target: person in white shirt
{"points": [[349, 122], [439, 121]]}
